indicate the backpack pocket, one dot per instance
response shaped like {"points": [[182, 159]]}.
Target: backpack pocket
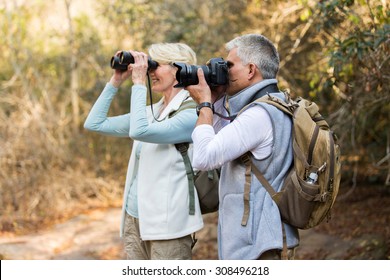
{"points": [[296, 200], [207, 185]]}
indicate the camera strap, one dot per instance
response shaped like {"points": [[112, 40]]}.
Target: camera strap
{"points": [[151, 98]]}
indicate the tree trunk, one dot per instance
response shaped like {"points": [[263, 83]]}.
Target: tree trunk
{"points": [[74, 77]]}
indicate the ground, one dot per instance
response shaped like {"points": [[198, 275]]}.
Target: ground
{"points": [[359, 229]]}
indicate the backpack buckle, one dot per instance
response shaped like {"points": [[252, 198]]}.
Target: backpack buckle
{"points": [[289, 104], [324, 197], [182, 147], [245, 159], [273, 98]]}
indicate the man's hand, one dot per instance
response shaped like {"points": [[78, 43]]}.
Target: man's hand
{"points": [[200, 92]]}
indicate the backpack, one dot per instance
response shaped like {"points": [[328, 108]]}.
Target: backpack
{"points": [[311, 186], [206, 183]]}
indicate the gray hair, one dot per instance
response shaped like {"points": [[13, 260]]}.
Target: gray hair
{"points": [[257, 49]]}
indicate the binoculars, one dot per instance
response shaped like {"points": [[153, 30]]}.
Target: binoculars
{"points": [[122, 61]]}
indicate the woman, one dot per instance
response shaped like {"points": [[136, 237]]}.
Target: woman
{"points": [[156, 223]]}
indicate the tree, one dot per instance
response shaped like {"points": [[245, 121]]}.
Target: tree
{"points": [[203, 25], [360, 77]]}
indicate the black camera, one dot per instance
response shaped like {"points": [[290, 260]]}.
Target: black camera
{"points": [[122, 61], [215, 72]]}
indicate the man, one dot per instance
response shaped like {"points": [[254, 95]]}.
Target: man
{"points": [[261, 129]]}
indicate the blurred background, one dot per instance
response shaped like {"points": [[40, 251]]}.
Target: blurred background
{"points": [[55, 55]]}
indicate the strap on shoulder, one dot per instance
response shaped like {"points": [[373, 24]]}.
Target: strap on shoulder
{"points": [[187, 104], [183, 148], [251, 167], [289, 106]]}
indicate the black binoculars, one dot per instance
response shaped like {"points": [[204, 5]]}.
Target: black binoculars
{"points": [[122, 61]]}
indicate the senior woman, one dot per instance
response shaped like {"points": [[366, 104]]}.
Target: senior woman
{"points": [[156, 220]]}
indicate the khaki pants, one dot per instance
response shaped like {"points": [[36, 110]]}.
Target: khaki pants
{"points": [[136, 249]]}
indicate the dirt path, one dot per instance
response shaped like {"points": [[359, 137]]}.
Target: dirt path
{"points": [[88, 236], [95, 236]]}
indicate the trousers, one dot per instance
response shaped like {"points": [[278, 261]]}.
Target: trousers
{"points": [[137, 249]]}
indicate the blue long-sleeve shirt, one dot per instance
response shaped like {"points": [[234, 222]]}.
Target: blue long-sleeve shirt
{"points": [[136, 126]]}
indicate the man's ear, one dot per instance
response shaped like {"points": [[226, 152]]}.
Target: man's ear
{"points": [[254, 72]]}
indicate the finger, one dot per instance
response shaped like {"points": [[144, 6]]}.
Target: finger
{"points": [[142, 54], [134, 54], [201, 77], [139, 57], [144, 57]]}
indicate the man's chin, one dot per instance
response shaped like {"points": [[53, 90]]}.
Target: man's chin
{"points": [[230, 90]]}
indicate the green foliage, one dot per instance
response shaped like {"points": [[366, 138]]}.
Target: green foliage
{"points": [[203, 25], [360, 75]]}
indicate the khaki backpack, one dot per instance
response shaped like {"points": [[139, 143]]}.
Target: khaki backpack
{"points": [[316, 154]]}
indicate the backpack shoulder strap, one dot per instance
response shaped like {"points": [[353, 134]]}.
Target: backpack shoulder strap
{"points": [[251, 167], [183, 148], [287, 106], [187, 104]]}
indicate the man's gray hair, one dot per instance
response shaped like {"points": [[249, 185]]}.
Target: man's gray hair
{"points": [[257, 49]]}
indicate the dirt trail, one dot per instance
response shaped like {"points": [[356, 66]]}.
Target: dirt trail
{"points": [[87, 236], [95, 236]]}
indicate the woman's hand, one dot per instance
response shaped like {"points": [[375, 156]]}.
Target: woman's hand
{"points": [[139, 68], [136, 70], [120, 76]]}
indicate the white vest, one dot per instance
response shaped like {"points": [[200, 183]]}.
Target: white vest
{"points": [[163, 197]]}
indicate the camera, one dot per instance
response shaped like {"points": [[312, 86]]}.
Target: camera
{"points": [[215, 72], [122, 61]]}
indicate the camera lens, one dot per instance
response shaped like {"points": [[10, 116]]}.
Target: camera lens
{"points": [[186, 74], [215, 73]]}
